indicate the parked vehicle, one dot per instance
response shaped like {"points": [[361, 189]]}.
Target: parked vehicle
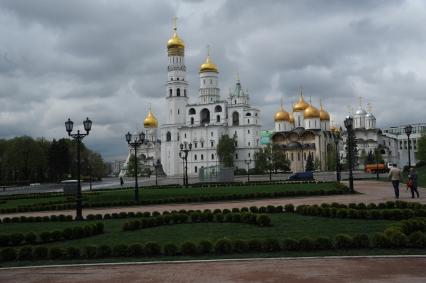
{"points": [[302, 176], [373, 168]]}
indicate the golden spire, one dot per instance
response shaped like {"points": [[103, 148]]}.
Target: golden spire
{"points": [[150, 121], [174, 23], [301, 105], [175, 45]]}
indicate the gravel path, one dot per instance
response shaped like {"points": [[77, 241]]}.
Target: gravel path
{"points": [[317, 270], [371, 191]]}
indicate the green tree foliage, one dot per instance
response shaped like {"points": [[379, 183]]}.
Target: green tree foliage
{"points": [[421, 147], [331, 157], [310, 163], [24, 159], [271, 157], [371, 159], [131, 166], [226, 150], [279, 160]]}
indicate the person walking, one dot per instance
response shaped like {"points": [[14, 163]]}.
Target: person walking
{"points": [[412, 182], [395, 176], [121, 181]]}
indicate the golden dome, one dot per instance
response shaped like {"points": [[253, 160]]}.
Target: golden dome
{"points": [[324, 116], [291, 120], [208, 66], [175, 41], [282, 115], [301, 105], [311, 112], [150, 121]]}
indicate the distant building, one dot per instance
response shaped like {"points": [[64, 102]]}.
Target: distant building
{"points": [[115, 167]]}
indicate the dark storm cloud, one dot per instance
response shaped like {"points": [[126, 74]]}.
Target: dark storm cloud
{"points": [[107, 59]]}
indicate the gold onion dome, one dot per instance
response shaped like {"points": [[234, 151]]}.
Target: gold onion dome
{"points": [[324, 116], [291, 120], [208, 66], [175, 42], [282, 115], [311, 112], [150, 121], [301, 105]]}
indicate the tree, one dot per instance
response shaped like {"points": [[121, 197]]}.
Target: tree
{"points": [[310, 163], [421, 148], [331, 157], [371, 159], [317, 164], [58, 159], [226, 150], [131, 166], [279, 160], [363, 157]]}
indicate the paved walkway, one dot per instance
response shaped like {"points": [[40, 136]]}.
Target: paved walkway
{"points": [[371, 191], [318, 270]]}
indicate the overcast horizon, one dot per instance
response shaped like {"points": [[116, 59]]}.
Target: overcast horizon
{"points": [[107, 60]]}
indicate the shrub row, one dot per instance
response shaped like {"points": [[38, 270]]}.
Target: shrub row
{"points": [[389, 214], [384, 205], [261, 220], [29, 219], [222, 246], [31, 238]]}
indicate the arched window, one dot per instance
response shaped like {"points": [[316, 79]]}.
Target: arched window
{"points": [[192, 120], [205, 116], [191, 111], [202, 156], [178, 92], [218, 118], [235, 119], [195, 169], [170, 92], [212, 156], [248, 114], [168, 136], [195, 157], [218, 108]]}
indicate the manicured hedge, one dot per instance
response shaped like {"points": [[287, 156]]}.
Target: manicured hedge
{"points": [[31, 238]]}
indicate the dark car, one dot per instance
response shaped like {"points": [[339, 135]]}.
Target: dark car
{"points": [[302, 176]]}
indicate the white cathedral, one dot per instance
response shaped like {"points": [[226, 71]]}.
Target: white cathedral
{"points": [[201, 123]]}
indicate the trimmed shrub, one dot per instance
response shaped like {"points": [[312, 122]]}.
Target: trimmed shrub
{"points": [[170, 249], [417, 240], [136, 250], [204, 247], [30, 238], [120, 250], [323, 243], [271, 245], [56, 253], [8, 254], [45, 237], [343, 241], [361, 241], [40, 253], [290, 244], [90, 252], [263, 220], [223, 246], [396, 238], [254, 209], [25, 253], [103, 251], [255, 245], [306, 244], [380, 240], [56, 235], [4, 240], [219, 217], [16, 239], [239, 246], [289, 208], [188, 248], [72, 253], [152, 249]]}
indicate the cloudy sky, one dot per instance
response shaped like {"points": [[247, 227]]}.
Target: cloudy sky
{"points": [[107, 59]]}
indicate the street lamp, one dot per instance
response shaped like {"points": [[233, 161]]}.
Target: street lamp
{"points": [[336, 141], [350, 148], [78, 137], [248, 168], [185, 148], [408, 130], [135, 143]]}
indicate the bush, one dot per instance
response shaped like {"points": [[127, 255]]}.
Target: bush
{"points": [[380, 240], [306, 244], [152, 249], [417, 240], [290, 244], [30, 238], [72, 253], [90, 252], [263, 220], [396, 238], [255, 245], [188, 248], [45, 237], [323, 243], [25, 253], [136, 250], [16, 239], [56, 253], [56, 235], [343, 241], [170, 249], [4, 240], [239, 246], [204, 247], [67, 233], [223, 246], [8, 254], [120, 250], [40, 253], [289, 208], [103, 251], [271, 245], [361, 241]]}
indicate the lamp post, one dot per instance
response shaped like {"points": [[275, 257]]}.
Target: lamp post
{"points": [[156, 166], [248, 168], [78, 137], [408, 130], [336, 141], [349, 144], [185, 148], [135, 143]]}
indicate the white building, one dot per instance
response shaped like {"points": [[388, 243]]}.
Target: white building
{"points": [[203, 122]]}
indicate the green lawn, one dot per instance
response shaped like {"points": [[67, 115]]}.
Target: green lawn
{"points": [[161, 194], [284, 225]]}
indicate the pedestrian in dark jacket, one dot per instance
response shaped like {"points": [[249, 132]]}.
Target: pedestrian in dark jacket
{"points": [[412, 182]]}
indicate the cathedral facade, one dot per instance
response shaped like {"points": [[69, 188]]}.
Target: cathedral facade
{"points": [[203, 122], [305, 131]]}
